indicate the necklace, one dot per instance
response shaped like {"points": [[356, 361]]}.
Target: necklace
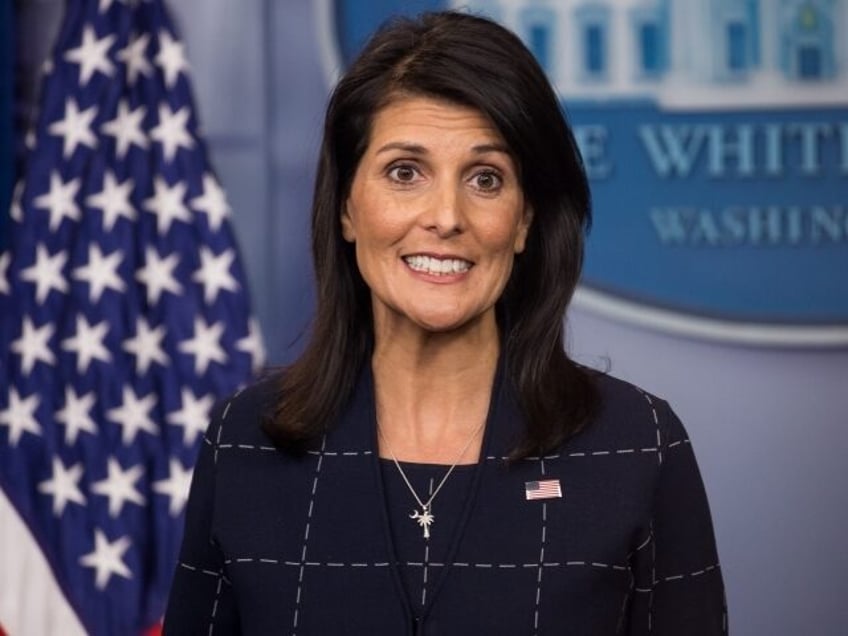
{"points": [[424, 517]]}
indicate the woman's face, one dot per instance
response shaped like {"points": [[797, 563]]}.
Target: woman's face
{"points": [[436, 213]]}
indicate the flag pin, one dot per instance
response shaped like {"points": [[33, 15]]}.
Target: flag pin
{"points": [[547, 489]]}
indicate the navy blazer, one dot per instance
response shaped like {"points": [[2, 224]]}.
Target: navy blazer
{"points": [[279, 544]]}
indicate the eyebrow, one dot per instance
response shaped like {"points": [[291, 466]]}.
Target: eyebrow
{"points": [[418, 149]]}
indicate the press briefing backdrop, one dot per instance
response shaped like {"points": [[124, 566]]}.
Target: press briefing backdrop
{"points": [[716, 135]]}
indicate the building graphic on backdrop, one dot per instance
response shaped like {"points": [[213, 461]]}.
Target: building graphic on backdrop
{"points": [[678, 53]]}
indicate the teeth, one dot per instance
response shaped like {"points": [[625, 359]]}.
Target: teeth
{"points": [[437, 266]]}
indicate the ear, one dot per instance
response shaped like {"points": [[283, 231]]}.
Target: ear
{"points": [[348, 231], [523, 229]]}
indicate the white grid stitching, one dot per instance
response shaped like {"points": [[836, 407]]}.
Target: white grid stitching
{"points": [[306, 537], [602, 453], [656, 419], [420, 564], [215, 603], [622, 616], [678, 577], [217, 444], [425, 571], [541, 557], [365, 453]]}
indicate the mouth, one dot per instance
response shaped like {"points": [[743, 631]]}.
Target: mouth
{"points": [[437, 266]]}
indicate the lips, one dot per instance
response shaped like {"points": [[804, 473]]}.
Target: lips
{"points": [[437, 266]]}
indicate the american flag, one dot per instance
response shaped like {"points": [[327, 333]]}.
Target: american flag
{"points": [[123, 317], [547, 489]]}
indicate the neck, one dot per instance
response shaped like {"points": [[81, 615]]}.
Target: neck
{"points": [[433, 394]]}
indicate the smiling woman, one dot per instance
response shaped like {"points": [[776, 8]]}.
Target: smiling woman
{"points": [[437, 214], [435, 463]]}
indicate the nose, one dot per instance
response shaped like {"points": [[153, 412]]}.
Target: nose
{"points": [[444, 214]]}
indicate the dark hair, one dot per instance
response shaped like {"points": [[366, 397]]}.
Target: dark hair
{"points": [[474, 62]]}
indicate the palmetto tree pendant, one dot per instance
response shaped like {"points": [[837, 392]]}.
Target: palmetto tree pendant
{"points": [[424, 519]]}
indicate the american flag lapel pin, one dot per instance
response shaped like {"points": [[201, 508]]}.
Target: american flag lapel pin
{"points": [[546, 489]]}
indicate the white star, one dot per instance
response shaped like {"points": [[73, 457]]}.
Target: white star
{"points": [[32, 345], [75, 128], [146, 346], [213, 202], [193, 416], [171, 58], [5, 261], [126, 128], [119, 486], [100, 272], [134, 415], [135, 59], [46, 273], [114, 200], [19, 416], [214, 273], [88, 343], [176, 486], [107, 558], [253, 346], [167, 203], [92, 55], [158, 275], [76, 415], [63, 486], [205, 346], [171, 130], [59, 200]]}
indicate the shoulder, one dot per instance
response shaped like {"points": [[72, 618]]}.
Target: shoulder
{"points": [[237, 419], [631, 417]]}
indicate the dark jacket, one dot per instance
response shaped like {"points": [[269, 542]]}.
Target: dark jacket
{"points": [[278, 544]]}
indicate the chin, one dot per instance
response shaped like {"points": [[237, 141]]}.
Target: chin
{"points": [[446, 323], [435, 318], [442, 328]]}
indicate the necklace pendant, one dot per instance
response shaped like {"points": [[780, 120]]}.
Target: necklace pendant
{"points": [[424, 519]]}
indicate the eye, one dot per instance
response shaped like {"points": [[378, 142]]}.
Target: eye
{"points": [[487, 180], [403, 173]]}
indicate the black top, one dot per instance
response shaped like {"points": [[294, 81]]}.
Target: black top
{"points": [[278, 544], [421, 560]]}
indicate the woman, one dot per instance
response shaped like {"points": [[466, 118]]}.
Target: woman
{"points": [[435, 463]]}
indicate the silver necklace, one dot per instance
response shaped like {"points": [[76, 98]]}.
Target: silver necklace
{"points": [[424, 517]]}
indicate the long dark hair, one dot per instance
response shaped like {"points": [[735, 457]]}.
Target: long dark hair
{"points": [[470, 61]]}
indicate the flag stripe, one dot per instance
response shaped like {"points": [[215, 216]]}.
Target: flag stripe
{"points": [[30, 600]]}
